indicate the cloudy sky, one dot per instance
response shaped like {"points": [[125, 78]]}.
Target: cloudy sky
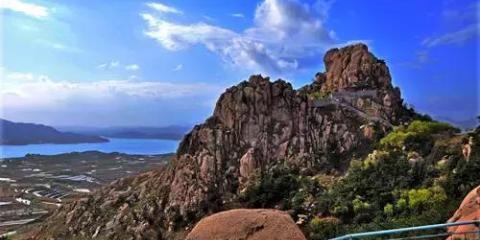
{"points": [[119, 63]]}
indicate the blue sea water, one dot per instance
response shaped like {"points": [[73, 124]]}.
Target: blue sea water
{"points": [[122, 145]]}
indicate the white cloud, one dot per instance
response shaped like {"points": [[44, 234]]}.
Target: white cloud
{"points": [[132, 67], [237, 15], [103, 65], [32, 90], [178, 67], [351, 42], [458, 37], [176, 36], [19, 77], [58, 46], [421, 58], [28, 97], [163, 8], [457, 13], [286, 35], [109, 65], [208, 18], [114, 64], [323, 8], [29, 9]]}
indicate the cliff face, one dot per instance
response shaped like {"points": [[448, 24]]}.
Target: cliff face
{"points": [[256, 124]]}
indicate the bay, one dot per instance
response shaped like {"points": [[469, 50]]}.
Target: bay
{"points": [[122, 145]]}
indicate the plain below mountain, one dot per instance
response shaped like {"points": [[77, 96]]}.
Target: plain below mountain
{"points": [[13, 133]]}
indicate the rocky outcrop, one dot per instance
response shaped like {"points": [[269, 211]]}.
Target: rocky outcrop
{"points": [[247, 224], [259, 123], [255, 125], [467, 148], [355, 68], [469, 210]]}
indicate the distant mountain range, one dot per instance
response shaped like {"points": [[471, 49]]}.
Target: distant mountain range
{"points": [[168, 132], [13, 133], [468, 123]]}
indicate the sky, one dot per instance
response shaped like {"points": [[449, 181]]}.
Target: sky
{"points": [[159, 63]]}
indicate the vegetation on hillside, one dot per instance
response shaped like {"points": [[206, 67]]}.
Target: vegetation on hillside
{"points": [[416, 175]]}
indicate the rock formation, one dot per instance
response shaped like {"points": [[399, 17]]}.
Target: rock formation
{"points": [[469, 210], [255, 125], [247, 224]]}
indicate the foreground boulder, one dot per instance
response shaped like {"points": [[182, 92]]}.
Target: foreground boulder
{"points": [[247, 224], [469, 210], [255, 125]]}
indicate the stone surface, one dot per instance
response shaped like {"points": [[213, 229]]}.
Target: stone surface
{"points": [[247, 224], [255, 125], [468, 210]]}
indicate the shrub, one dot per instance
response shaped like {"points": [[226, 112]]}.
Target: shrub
{"points": [[323, 228], [360, 206], [421, 199], [429, 127], [417, 136], [388, 210], [318, 95], [418, 198], [279, 184], [401, 204]]}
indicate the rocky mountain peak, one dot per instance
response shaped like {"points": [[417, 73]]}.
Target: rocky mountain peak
{"points": [[255, 125], [355, 67]]}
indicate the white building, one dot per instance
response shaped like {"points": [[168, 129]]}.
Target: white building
{"points": [[24, 201]]}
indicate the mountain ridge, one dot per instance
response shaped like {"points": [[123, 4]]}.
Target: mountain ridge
{"points": [[13, 133]]}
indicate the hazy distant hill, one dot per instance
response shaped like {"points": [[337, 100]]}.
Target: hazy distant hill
{"points": [[468, 123], [12, 133], [169, 132]]}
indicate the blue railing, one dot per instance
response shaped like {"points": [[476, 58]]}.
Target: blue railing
{"points": [[386, 233]]}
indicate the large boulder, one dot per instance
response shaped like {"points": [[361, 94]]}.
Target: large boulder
{"points": [[469, 210], [247, 224]]}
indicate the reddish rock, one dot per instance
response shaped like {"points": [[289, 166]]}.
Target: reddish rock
{"points": [[247, 224], [469, 210], [467, 148], [248, 165], [354, 66]]}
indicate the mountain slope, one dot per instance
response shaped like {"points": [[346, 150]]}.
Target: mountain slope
{"points": [[28, 133], [256, 125]]}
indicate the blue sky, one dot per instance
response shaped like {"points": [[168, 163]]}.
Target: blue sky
{"points": [[157, 63]]}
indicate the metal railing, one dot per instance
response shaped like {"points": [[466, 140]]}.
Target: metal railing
{"points": [[385, 233]]}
